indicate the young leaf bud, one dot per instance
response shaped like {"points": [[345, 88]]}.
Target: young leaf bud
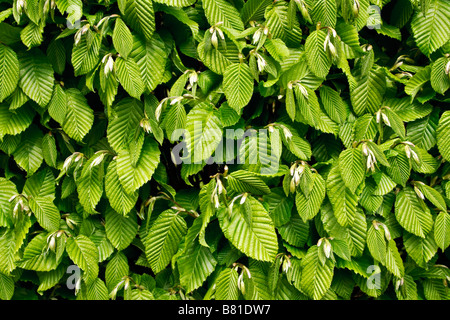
{"points": [[419, 193], [244, 198], [292, 186], [447, 68], [292, 169], [327, 248], [52, 243], [256, 37], [386, 119], [216, 201], [365, 150], [378, 116], [214, 40], [355, 8], [145, 124], [408, 151], [109, 66], [287, 133]]}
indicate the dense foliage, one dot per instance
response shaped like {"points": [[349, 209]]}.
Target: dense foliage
{"points": [[224, 149]]}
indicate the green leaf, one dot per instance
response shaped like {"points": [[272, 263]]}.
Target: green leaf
{"points": [[440, 81], [83, 252], [421, 250], [29, 153], [79, 116], [140, 15], [316, 276], [243, 181], [257, 237], [8, 190], [122, 38], [17, 99], [116, 269], [6, 287], [299, 146], [9, 71], [90, 185], [324, 11], [343, 200], [412, 213], [427, 164], [395, 122], [238, 85], [204, 132], [318, 59], [174, 119], [123, 126], [195, 265], [121, 201], [308, 205], [442, 230], [432, 27], [109, 88], [85, 54], [349, 36], [377, 244], [394, 262], [379, 155], [417, 82], [15, 122], [422, 132], [277, 49], [104, 246], [351, 166], [120, 229], [432, 195], [222, 11], [390, 31], [129, 76], [57, 107], [36, 77], [295, 231], [7, 251], [97, 290], [218, 59], [384, 184], [368, 93], [276, 16], [151, 57], [49, 150], [227, 285], [137, 294], [290, 103], [49, 279], [443, 135], [254, 10], [56, 53], [32, 35], [333, 104], [177, 3], [280, 206], [135, 173], [399, 168], [407, 110], [47, 214], [434, 289], [38, 256], [410, 288], [163, 238]]}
